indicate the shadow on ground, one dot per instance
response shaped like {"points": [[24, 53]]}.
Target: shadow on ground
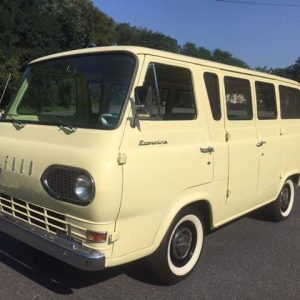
{"points": [[263, 214], [57, 276]]}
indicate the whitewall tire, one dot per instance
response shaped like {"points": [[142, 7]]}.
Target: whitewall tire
{"points": [[180, 249], [284, 203]]}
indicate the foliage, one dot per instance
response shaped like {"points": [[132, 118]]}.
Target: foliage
{"points": [[9, 65], [227, 58], [34, 28], [131, 35], [264, 69], [193, 50], [216, 55], [291, 72], [295, 70]]}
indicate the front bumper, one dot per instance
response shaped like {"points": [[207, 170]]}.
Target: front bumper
{"points": [[59, 247]]}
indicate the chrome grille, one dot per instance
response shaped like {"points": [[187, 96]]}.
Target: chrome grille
{"points": [[41, 217], [61, 182], [33, 214]]}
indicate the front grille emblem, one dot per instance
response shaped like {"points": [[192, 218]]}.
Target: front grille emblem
{"points": [[22, 166], [14, 165]]}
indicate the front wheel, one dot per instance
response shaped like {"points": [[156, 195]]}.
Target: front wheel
{"points": [[283, 205], [180, 249]]}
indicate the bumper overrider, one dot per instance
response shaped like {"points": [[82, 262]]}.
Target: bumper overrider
{"points": [[60, 247]]}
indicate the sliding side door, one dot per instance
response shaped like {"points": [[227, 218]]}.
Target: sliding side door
{"points": [[242, 142], [270, 140]]}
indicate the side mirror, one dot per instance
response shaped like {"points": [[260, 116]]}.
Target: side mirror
{"points": [[142, 102]]}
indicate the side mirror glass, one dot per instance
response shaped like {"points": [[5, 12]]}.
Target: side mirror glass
{"points": [[142, 102]]}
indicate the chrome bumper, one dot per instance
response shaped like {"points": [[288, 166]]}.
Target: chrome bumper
{"points": [[59, 247]]}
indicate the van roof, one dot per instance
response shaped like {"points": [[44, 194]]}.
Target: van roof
{"points": [[179, 57]]}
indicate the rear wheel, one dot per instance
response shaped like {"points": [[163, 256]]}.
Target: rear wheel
{"points": [[180, 249], [282, 207]]}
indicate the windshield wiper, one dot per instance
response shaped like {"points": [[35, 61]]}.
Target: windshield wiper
{"points": [[17, 123], [63, 125]]}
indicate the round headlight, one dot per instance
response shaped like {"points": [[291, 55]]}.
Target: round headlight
{"points": [[84, 188]]}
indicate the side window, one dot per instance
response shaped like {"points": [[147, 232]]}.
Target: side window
{"points": [[289, 102], [173, 97], [266, 101], [213, 92], [238, 99]]}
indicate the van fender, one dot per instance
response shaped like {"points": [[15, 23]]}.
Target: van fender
{"points": [[189, 196], [287, 175], [284, 178]]}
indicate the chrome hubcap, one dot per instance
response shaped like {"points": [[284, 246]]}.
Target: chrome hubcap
{"points": [[182, 242], [285, 199]]}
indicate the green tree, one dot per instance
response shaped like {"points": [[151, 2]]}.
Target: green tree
{"points": [[295, 70], [126, 34], [291, 72], [8, 65], [283, 72], [157, 40], [131, 35], [192, 49], [83, 25], [227, 58], [34, 28], [264, 69]]}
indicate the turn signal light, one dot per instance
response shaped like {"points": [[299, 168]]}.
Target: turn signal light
{"points": [[97, 237]]}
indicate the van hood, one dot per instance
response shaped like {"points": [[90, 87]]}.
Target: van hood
{"points": [[26, 153]]}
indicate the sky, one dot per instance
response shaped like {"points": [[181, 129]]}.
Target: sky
{"points": [[261, 35]]}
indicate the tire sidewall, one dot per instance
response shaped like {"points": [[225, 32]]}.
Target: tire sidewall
{"points": [[159, 262], [278, 215], [291, 185], [189, 266]]}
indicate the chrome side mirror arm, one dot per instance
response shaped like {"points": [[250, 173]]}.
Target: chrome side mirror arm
{"points": [[136, 110]]}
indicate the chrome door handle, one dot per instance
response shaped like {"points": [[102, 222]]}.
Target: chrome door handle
{"points": [[207, 150], [260, 143]]}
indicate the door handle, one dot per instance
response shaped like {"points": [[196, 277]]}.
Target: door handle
{"points": [[259, 144], [207, 150]]}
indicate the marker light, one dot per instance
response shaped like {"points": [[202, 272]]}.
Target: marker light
{"points": [[98, 237]]}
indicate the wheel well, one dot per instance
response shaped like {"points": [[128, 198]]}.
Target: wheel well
{"points": [[204, 209], [295, 179]]}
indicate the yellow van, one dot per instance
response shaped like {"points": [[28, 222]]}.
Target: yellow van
{"points": [[112, 154]]}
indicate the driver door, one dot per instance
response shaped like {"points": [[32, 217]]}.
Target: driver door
{"points": [[163, 152]]}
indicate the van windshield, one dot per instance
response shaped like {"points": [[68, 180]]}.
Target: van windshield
{"points": [[81, 91]]}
